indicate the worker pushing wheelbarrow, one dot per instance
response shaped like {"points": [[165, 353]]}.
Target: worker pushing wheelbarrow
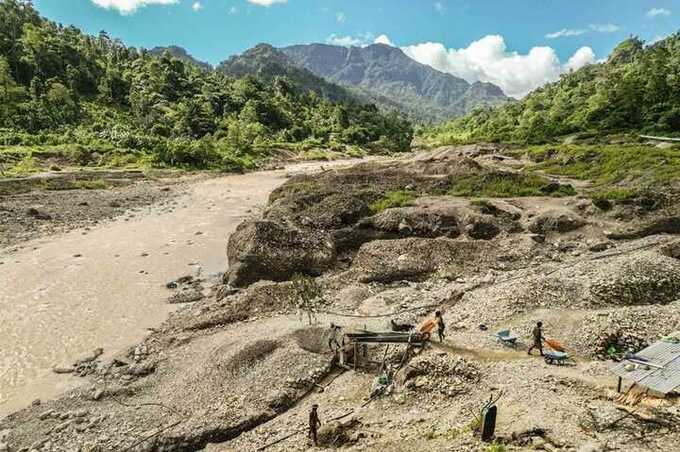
{"points": [[555, 352], [428, 325]]}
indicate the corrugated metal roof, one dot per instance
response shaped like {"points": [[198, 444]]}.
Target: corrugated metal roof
{"points": [[661, 352], [664, 379]]}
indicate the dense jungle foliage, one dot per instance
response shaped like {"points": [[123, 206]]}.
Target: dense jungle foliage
{"points": [[636, 90], [67, 92]]}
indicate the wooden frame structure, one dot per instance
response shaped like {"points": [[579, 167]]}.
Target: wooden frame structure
{"points": [[365, 338]]}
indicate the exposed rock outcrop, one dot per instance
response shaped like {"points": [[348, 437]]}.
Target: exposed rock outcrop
{"points": [[419, 221], [556, 221], [265, 250], [666, 225]]}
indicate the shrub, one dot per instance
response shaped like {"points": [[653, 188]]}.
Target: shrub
{"points": [[398, 198]]}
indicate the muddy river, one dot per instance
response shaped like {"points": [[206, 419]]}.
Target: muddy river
{"points": [[65, 295]]}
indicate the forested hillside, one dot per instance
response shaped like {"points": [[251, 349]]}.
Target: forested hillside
{"points": [[92, 94], [636, 90], [181, 54]]}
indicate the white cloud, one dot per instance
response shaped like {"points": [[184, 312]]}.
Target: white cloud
{"points": [[360, 40], [130, 6], [266, 3], [488, 60], [599, 28], [383, 39], [604, 28], [564, 32], [340, 17], [233, 10], [439, 6], [197, 6], [582, 57], [345, 41], [654, 12]]}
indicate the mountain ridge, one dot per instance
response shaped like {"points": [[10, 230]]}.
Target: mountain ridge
{"points": [[389, 72], [267, 62]]}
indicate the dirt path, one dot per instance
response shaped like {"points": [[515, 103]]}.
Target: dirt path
{"points": [[65, 295]]}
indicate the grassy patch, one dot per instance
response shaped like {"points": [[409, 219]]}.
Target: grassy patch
{"points": [[398, 198], [27, 165], [318, 154], [94, 184], [616, 194], [495, 447], [507, 185], [356, 152], [608, 164]]}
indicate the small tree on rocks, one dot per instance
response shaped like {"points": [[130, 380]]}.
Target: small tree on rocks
{"points": [[305, 295]]}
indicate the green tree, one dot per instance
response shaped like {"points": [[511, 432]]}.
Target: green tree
{"points": [[305, 295]]}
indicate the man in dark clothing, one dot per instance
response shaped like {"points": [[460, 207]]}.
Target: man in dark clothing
{"points": [[333, 343], [440, 325], [537, 333], [314, 423]]}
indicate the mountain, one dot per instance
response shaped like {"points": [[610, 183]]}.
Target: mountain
{"points": [[266, 62], [382, 70], [636, 90], [181, 54]]}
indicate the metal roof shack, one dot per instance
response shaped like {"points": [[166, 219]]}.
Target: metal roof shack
{"points": [[657, 367]]}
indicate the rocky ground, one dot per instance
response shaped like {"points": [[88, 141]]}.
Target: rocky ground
{"points": [[239, 369], [70, 203]]}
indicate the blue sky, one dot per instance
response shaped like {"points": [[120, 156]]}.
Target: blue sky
{"points": [[475, 38]]}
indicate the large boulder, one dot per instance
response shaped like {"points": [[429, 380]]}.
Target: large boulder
{"points": [[324, 210], [266, 250], [558, 220], [671, 250], [482, 227]]}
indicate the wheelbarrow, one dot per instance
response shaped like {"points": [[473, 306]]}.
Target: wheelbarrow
{"points": [[507, 339], [555, 357], [426, 328]]}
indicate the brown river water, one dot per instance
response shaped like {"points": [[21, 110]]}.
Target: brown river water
{"points": [[55, 307]]}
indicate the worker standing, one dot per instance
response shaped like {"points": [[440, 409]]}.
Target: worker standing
{"points": [[441, 326], [333, 342], [537, 334], [314, 423]]}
